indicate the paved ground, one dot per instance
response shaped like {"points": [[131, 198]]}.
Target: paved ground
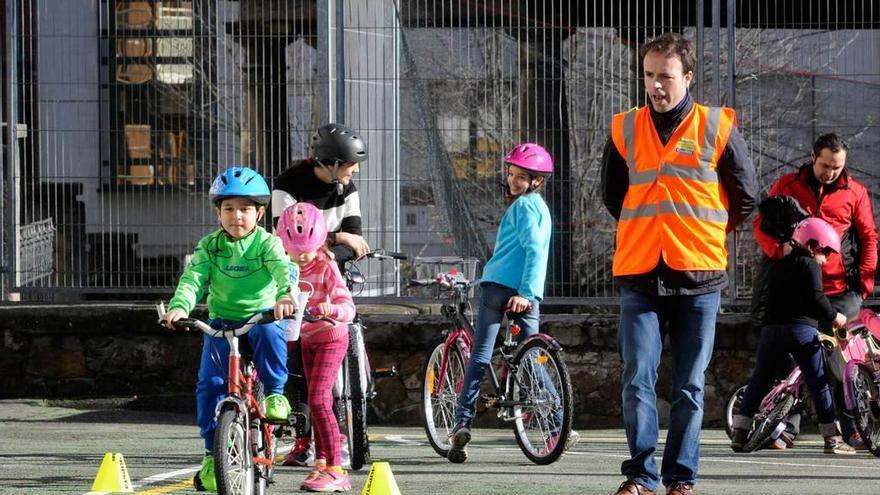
{"points": [[53, 450]]}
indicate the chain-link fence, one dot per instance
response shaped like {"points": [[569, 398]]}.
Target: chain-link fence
{"points": [[119, 113]]}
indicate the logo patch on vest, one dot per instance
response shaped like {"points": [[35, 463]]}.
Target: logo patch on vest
{"points": [[236, 268], [685, 146]]}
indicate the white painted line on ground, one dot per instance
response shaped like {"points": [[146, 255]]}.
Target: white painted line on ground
{"points": [[401, 439]]}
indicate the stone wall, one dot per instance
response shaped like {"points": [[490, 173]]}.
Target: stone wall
{"points": [[117, 350]]}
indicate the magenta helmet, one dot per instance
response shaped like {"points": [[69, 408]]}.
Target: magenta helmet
{"points": [[532, 157], [816, 233], [302, 228]]}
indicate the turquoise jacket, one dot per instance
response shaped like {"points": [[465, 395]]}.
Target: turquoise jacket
{"points": [[522, 248], [242, 277]]}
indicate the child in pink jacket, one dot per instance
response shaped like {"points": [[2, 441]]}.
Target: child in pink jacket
{"points": [[323, 344]]}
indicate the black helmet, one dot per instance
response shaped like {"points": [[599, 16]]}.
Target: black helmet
{"points": [[335, 143]]}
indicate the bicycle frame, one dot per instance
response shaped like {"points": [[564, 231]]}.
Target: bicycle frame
{"points": [[793, 384]]}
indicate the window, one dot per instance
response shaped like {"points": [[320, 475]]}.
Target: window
{"points": [[411, 220], [153, 98]]}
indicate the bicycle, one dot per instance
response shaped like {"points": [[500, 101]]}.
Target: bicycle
{"points": [[845, 357], [531, 387], [355, 385], [245, 440]]}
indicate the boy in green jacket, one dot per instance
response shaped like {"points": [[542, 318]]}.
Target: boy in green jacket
{"points": [[245, 271]]}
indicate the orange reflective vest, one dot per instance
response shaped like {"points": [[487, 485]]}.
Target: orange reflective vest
{"points": [[675, 206]]}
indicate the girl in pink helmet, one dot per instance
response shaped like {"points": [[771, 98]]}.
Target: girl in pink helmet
{"points": [[303, 233], [512, 281], [796, 303]]}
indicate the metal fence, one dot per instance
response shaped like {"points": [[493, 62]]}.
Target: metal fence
{"points": [[119, 112]]}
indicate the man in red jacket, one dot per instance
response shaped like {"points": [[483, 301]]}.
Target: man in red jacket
{"points": [[825, 189]]}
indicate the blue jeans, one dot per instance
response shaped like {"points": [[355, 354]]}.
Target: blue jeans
{"points": [[645, 320], [270, 359], [493, 300], [802, 342]]}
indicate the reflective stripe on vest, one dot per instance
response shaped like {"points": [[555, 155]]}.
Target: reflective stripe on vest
{"points": [[675, 206]]}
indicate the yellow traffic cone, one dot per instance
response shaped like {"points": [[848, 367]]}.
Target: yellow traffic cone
{"points": [[112, 475], [380, 481]]}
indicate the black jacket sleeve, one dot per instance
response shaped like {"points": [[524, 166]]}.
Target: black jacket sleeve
{"points": [[819, 303], [737, 175], [615, 179]]}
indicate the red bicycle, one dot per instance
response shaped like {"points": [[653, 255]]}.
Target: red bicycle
{"points": [[245, 439]]}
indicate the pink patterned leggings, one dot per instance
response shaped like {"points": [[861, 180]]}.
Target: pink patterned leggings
{"points": [[321, 362]]}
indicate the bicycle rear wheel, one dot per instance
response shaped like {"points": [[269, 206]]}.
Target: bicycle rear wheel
{"points": [[867, 411], [762, 433], [438, 403], [543, 424], [731, 408], [233, 462], [358, 441]]}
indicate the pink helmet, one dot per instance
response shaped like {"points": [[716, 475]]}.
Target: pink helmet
{"points": [[532, 157], [302, 228], [816, 233]]}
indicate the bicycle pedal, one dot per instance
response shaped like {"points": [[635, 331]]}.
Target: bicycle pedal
{"points": [[385, 372]]}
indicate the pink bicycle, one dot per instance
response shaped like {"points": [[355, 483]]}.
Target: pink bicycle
{"points": [[529, 381], [853, 358]]}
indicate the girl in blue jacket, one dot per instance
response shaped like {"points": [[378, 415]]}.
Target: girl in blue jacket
{"points": [[513, 279]]}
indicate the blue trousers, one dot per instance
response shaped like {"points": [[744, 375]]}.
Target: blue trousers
{"points": [[645, 321], [270, 358], [802, 342], [493, 300]]}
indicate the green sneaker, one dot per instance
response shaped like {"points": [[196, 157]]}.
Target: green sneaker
{"points": [[205, 480], [277, 408]]}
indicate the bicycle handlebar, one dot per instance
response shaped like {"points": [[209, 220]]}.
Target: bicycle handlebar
{"points": [[235, 329], [381, 254]]}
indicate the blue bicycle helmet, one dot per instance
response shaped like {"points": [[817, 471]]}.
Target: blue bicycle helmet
{"points": [[240, 182]]}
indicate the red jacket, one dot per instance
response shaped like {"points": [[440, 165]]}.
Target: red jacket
{"points": [[846, 205]]}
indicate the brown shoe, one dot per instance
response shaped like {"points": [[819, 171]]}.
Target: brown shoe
{"points": [[836, 445], [679, 488], [630, 487]]}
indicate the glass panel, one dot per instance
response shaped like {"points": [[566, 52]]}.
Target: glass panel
{"points": [[174, 73], [174, 47], [174, 15]]}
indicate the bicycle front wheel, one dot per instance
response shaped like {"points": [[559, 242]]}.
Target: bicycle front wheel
{"points": [[541, 384], [233, 463], [440, 396], [867, 411], [358, 441], [762, 434]]}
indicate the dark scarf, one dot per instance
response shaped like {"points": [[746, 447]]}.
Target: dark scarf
{"points": [[667, 122]]}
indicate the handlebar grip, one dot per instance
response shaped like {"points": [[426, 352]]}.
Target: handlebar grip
{"points": [[186, 324], [422, 282], [396, 255]]}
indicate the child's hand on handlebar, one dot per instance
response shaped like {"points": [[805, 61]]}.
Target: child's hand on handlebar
{"points": [[170, 317], [517, 304], [284, 307], [321, 309]]}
